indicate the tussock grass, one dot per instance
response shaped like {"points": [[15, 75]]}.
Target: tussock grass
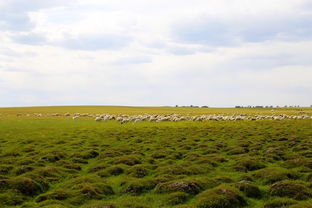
{"points": [[58, 162]]}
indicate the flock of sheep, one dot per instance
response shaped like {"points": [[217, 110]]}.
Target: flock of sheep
{"points": [[177, 117], [172, 117]]}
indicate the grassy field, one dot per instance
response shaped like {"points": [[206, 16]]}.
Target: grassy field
{"points": [[57, 162], [152, 110]]}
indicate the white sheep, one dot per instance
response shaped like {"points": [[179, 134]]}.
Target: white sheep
{"points": [[98, 119]]}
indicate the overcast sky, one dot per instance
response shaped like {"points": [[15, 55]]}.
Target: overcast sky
{"points": [[155, 52]]}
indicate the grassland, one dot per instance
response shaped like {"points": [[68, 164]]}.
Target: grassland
{"points": [[151, 110], [56, 162]]}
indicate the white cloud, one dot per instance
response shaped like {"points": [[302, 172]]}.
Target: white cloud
{"points": [[216, 53]]}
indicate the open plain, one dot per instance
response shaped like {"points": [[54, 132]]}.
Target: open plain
{"points": [[48, 159]]}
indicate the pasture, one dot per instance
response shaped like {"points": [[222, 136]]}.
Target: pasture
{"points": [[57, 162]]}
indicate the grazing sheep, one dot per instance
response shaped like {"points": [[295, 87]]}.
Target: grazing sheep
{"points": [[176, 117], [123, 118], [98, 119], [137, 120]]}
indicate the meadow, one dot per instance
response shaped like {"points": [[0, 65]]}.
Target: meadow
{"points": [[57, 162]]}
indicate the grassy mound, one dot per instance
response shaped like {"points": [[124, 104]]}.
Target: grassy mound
{"points": [[176, 198], [111, 171], [250, 164], [127, 160], [139, 186], [11, 198], [187, 186], [279, 202], [291, 189], [27, 186], [138, 171], [272, 175], [59, 194], [249, 189], [220, 197]]}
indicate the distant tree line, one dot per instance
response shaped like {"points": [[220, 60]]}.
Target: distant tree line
{"points": [[269, 106]]}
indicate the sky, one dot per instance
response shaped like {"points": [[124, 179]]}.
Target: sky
{"points": [[219, 53]]}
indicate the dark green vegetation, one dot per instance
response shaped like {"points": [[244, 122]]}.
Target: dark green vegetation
{"points": [[211, 164]]}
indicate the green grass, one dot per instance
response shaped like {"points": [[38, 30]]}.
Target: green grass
{"points": [[151, 110], [59, 162]]}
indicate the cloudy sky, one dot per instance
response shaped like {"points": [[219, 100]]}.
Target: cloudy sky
{"points": [[155, 52]]}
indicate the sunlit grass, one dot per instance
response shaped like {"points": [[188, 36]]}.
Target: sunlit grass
{"points": [[60, 162]]}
